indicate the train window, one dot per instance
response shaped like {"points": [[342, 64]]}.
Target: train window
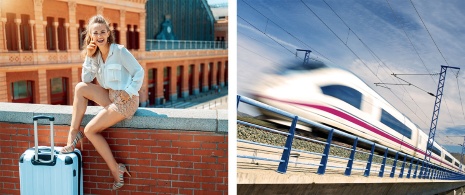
{"points": [[436, 151], [395, 124], [448, 158], [344, 93], [457, 164]]}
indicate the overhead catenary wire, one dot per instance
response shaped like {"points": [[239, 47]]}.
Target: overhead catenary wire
{"points": [[373, 54], [350, 49], [279, 26]]}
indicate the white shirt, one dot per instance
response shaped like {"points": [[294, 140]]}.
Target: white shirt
{"points": [[121, 71]]}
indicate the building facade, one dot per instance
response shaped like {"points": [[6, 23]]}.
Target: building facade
{"points": [[40, 60]]}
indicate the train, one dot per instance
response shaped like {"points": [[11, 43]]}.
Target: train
{"points": [[337, 98]]}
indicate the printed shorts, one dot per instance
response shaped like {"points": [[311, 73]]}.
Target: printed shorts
{"points": [[125, 107]]}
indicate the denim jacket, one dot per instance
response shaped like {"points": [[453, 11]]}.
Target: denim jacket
{"points": [[121, 71]]}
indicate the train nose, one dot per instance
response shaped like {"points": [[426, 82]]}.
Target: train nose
{"points": [[270, 86]]}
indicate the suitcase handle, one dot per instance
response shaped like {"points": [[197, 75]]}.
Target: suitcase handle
{"points": [[36, 138]]}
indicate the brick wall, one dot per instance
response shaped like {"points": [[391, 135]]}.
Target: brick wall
{"points": [[160, 161]]}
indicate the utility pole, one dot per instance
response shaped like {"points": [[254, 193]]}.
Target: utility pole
{"points": [[434, 120], [307, 55]]}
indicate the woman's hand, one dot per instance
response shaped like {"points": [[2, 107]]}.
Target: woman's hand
{"points": [[91, 48], [125, 96]]}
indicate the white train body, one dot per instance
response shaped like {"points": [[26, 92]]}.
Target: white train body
{"points": [[340, 99]]}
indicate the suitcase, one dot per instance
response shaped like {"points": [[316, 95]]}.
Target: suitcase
{"points": [[42, 170]]}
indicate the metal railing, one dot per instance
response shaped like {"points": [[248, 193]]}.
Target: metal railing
{"points": [[412, 166], [155, 44]]}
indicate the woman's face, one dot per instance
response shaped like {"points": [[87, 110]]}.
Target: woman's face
{"points": [[99, 33]]}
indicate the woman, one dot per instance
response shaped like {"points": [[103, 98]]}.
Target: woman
{"points": [[120, 77]]}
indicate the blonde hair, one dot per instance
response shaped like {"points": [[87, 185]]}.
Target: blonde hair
{"points": [[100, 20]]}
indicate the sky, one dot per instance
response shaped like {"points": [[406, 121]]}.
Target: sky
{"points": [[372, 39]]}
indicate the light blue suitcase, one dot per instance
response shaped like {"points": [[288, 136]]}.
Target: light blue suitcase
{"points": [[44, 172]]}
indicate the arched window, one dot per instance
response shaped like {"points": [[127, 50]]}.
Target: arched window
{"points": [[11, 32], [61, 34], [129, 40], [26, 43], [59, 91], [50, 34], [81, 36], [136, 38], [116, 32]]}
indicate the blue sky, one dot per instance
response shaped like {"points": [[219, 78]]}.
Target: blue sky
{"points": [[385, 27]]}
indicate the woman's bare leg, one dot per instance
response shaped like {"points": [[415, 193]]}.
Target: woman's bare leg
{"points": [[83, 92], [104, 119]]}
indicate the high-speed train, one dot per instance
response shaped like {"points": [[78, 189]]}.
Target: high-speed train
{"points": [[340, 99]]}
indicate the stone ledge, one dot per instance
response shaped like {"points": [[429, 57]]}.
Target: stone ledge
{"points": [[145, 118]]}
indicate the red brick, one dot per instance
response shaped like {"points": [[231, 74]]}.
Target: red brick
{"points": [[162, 176], [142, 142], [143, 162], [186, 138], [201, 179], [5, 137], [185, 171], [209, 146], [9, 186], [144, 189], [7, 173], [143, 169], [208, 186], [186, 191], [141, 155], [123, 136], [167, 190], [166, 136], [208, 192], [222, 186], [143, 149], [164, 143], [184, 144], [163, 170], [7, 143], [186, 178], [5, 149], [222, 146], [142, 181], [124, 148], [163, 183], [165, 163], [186, 158], [209, 152], [6, 161], [206, 166], [185, 184], [164, 150], [10, 191], [186, 164], [186, 151], [208, 173], [100, 191], [164, 157], [207, 159], [140, 175], [205, 138]]}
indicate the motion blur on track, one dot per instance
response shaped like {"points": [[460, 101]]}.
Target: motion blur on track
{"points": [[340, 99]]}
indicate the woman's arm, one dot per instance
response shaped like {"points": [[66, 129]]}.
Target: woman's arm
{"points": [[89, 69], [136, 71]]}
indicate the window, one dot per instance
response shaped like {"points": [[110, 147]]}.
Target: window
{"points": [[61, 34], [116, 32], [22, 91], [129, 38], [395, 124], [448, 158], [50, 34], [436, 151], [58, 92], [11, 32], [457, 164], [25, 28], [81, 36], [136, 38], [344, 93]]}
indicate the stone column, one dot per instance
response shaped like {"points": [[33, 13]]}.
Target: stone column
{"points": [[73, 35], [172, 75], [100, 9], [205, 76], [31, 24], [196, 79], [141, 31], [185, 79], [39, 28], [43, 90], [122, 31], [55, 28], [221, 81], [3, 46], [66, 35], [3, 87], [74, 81], [18, 23]]}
